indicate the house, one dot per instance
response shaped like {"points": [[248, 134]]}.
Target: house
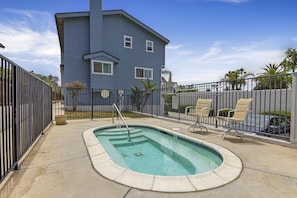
{"points": [[108, 50]]}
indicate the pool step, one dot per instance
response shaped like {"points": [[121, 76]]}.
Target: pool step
{"points": [[117, 132], [137, 139]]}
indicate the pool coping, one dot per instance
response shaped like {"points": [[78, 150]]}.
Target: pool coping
{"points": [[228, 171]]}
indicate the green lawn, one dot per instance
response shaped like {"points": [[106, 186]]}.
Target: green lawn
{"points": [[98, 114]]}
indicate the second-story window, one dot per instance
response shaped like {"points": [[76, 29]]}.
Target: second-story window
{"points": [[101, 67], [149, 46], [128, 42], [143, 73]]}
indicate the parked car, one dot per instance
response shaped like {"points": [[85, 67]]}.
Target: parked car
{"points": [[261, 124]]}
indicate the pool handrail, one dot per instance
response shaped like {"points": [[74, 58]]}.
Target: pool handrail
{"points": [[114, 106]]}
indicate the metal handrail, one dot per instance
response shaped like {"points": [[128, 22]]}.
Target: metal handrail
{"points": [[114, 106]]}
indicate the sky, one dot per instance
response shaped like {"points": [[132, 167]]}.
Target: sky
{"points": [[208, 38]]}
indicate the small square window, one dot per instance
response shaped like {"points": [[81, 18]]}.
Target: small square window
{"points": [[128, 41], [149, 46]]}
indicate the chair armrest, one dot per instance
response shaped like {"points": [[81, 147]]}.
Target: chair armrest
{"points": [[219, 110], [187, 109], [201, 112]]}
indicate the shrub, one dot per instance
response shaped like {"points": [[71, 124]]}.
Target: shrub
{"points": [[278, 113], [182, 108], [74, 89]]}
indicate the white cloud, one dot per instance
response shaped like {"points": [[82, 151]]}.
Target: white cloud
{"points": [[221, 57], [213, 51], [30, 40], [178, 50]]}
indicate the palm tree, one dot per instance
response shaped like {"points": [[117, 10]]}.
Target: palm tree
{"points": [[231, 78], [237, 78], [272, 69], [136, 97], [290, 61], [149, 88], [272, 78]]}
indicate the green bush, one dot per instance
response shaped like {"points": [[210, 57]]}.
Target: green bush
{"points": [[278, 113], [182, 108], [167, 103]]}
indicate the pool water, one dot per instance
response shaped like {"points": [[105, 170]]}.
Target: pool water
{"points": [[156, 152]]}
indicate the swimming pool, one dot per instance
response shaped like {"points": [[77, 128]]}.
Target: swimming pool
{"points": [[156, 152], [189, 180]]}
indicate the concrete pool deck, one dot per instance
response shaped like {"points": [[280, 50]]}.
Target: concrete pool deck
{"points": [[59, 166]]}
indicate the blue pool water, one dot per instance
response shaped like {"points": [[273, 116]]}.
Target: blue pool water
{"points": [[156, 152]]}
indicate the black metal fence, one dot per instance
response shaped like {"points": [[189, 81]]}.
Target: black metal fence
{"points": [[26, 111], [271, 105], [97, 103], [270, 109]]}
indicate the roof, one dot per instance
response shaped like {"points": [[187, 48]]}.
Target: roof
{"points": [[104, 54], [61, 16]]}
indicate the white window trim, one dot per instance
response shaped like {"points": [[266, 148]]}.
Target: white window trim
{"points": [[98, 73], [144, 68], [131, 38], [146, 46]]}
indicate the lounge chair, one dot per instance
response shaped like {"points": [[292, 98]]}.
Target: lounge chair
{"points": [[200, 111], [239, 114]]}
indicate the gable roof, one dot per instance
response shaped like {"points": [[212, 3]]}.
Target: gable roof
{"points": [[136, 21], [102, 53], [61, 16]]}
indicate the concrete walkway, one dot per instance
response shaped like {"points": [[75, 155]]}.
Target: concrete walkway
{"points": [[59, 166]]}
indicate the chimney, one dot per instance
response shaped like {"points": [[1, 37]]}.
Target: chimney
{"points": [[96, 26]]}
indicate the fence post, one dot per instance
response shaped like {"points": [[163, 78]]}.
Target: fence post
{"points": [[217, 101], [92, 104], [178, 109], [16, 120], [293, 131]]}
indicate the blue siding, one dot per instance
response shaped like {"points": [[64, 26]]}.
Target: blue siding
{"points": [[115, 27], [76, 44]]}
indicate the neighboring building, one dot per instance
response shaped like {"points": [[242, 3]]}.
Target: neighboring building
{"points": [[108, 50]]}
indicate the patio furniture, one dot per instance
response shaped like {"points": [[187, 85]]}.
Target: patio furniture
{"points": [[239, 114], [200, 111]]}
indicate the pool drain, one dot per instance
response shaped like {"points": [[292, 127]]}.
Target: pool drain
{"points": [[139, 154]]}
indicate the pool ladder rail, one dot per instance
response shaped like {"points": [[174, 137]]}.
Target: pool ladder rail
{"points": [[114, 107]]}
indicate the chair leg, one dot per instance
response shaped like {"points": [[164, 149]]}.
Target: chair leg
{"points": [[202, 126], [236, 132], [198, 125], [241, 135], [229, 130], [224, 133], [192, 125]]}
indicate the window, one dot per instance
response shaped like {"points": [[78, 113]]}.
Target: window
{"points": [[128, 41], [100, 67], [149, 46], [143, 73]]}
